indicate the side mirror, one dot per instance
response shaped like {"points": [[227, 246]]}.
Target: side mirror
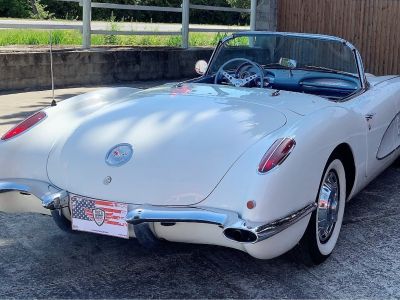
{"points": [[201, 67]]}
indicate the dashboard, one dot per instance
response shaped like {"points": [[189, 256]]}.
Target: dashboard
{"points": [[329, 85]]}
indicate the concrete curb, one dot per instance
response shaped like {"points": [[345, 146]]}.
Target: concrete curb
{"points": [[21, 70]]}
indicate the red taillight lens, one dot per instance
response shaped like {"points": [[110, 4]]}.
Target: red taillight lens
{"points": [[24, 125], [276, 155]]}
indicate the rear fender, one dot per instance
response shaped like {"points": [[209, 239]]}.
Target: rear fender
{"points": [[295, 183], [25, 156]]}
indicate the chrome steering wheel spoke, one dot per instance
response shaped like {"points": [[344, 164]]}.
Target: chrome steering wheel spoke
{"points": [[232, 80], [250, 78], [240, 82]]}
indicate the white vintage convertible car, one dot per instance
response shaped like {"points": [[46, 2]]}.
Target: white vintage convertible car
{"points": [[259, 154]]}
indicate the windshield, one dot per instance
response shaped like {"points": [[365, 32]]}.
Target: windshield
{"points": [[299, 52]]}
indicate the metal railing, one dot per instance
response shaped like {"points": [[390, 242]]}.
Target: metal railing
{"points": [[87, 6], [185, 8]]}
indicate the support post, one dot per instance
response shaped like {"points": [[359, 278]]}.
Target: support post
{"points": [[253, 14], [185, 23], [86, 20], [267, 15]]}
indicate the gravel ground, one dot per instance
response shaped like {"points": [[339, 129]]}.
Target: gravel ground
{"points": [[39, 261]]}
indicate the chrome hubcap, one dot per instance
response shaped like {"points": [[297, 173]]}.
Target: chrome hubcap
{"points": [[328, 206]]}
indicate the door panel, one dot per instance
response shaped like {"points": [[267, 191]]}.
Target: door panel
{"points": [[379, 110]]}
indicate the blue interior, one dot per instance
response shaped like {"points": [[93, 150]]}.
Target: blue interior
{"points": [[330, 85]]}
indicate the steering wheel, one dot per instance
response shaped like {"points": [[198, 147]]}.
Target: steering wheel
{"points": [[240, 82]]}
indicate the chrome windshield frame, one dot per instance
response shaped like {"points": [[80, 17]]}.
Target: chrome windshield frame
{"points": [[357, 55]]}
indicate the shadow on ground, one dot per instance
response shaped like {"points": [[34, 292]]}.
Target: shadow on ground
{"points": [[25, 111], [15, 109]]}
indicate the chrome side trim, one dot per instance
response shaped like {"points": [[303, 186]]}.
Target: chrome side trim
{"points": [[51, 196], [386, 80], [266, 231], [385, 136], [227, 220]]}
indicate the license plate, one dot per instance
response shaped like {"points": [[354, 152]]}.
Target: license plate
{"points": [[98, 216]]}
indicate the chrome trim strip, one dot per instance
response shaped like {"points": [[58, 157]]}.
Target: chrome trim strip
{"points": [[292, 34], [266, 231], [386, 80], [51, 196], [150, 213], [360, 68], [396, 117], [6, 186]]}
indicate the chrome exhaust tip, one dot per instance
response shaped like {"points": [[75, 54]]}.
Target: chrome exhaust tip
{"points": [[240, 235]]}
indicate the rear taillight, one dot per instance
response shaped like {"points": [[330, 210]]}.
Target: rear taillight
{"points": [[24, 125], [276, 154]]}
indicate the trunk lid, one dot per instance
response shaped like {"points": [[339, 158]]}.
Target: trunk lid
{"points": [[183, 144]]}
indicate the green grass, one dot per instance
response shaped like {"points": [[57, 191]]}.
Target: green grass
{"points": [[17, 37]]}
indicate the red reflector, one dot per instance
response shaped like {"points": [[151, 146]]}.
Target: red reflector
{"points": [[276, 154], [24, 125], [251, 204]]}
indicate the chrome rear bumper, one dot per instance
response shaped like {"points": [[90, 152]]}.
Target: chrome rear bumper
{"points": [[234, 227], [51, 196]]}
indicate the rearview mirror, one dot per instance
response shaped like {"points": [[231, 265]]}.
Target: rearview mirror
{"points": [[288, 63], [201, 67]]}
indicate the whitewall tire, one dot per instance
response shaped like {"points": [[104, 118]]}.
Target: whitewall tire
{"points": [[323, 230]]}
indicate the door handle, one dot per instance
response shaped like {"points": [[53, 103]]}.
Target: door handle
{"points": [[370, 116]]}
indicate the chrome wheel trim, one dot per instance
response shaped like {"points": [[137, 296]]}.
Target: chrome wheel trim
{"points": [[328, 206]]}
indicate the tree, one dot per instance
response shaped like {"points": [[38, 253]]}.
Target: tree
{"points": [[23, 9], [14, 8], [239, 3], [34, 8], [39, 10], [69, 10]]}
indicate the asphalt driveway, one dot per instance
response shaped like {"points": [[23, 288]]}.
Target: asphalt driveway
{"points": [[39, 261]]}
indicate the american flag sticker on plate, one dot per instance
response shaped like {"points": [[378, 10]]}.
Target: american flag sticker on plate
{"points": [[98, 216]]}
